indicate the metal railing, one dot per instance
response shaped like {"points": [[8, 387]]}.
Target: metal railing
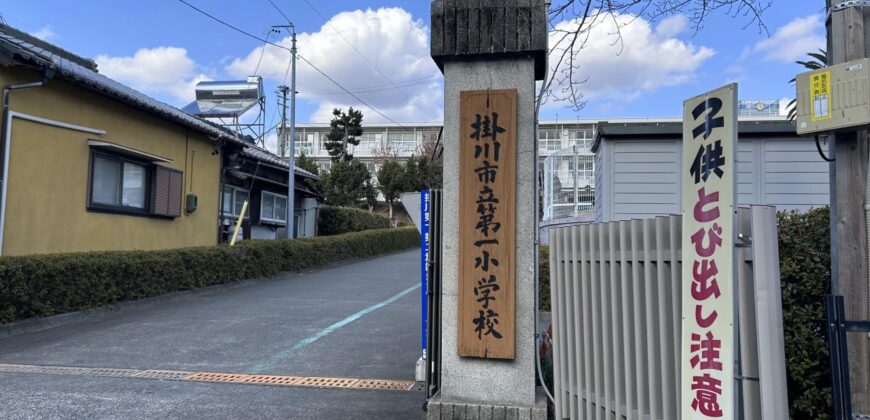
{"points": [[616, 298], [569, 183]]}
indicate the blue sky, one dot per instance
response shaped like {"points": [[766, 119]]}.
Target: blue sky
{"points": [[162, 48]]}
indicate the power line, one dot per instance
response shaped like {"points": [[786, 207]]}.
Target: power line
{"points": [[262, 53], [281, 12], [410, 82], [299, 56], [372, 65]]}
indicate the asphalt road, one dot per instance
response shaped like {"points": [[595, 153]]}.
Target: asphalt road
{"points": [[358, 320]]}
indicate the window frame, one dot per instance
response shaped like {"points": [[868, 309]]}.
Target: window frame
{"points": [[232, 214], [274, 197], [120, 208]]}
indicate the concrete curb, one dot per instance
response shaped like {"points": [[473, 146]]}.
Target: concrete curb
{"points": [[41, 324]]}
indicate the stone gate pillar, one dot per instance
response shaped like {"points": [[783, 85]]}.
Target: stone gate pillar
{"points": [[499, 46]]}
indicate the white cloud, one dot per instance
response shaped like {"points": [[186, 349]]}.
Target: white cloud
{"points": [[160, 70], [672, 26], [46, 34], [390, 39], [794, 40], [624, 57]]}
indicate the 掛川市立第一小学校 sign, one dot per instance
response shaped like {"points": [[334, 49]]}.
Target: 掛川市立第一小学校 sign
{"points": [[487, 228]]}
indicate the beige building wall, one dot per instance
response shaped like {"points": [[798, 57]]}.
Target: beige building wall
{"points": [[49, 174]]}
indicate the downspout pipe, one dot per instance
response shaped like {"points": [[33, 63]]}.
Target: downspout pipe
{"points": [[47, 73]]}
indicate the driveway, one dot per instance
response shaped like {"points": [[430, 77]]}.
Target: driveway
{"points": [[356, 321]]}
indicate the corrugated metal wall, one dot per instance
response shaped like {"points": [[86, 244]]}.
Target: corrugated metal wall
{"points": [[640, 178], [617, 322]]}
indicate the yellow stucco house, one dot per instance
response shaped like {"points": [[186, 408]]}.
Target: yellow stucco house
{"points": [[90, 164]]}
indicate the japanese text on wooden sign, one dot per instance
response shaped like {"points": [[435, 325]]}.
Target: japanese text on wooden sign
{"points": [[708, 177], [487, 194]]}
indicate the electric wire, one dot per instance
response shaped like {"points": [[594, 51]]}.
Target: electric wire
{"points": [[358, 52], [821, 153], [262, 53], [300, 57]]}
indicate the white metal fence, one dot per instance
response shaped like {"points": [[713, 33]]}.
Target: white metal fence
{"points": [[569, 183], [617, 319]]}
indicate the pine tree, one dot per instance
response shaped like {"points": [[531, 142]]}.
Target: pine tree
{"points": [[346, 183], [307, 164], [345, 130]]}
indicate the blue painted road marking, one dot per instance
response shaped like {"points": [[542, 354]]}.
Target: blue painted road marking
{"points": [[328, 330]]}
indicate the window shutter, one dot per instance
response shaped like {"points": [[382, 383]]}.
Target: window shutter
{"points": [[166, 192]]}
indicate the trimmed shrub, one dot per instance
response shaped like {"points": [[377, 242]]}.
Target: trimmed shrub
{"points": [[804, 264], [338, 220], [43, 285], [544, 276]]}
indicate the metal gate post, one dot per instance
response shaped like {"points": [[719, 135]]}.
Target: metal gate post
{"points": [[840, 389]]}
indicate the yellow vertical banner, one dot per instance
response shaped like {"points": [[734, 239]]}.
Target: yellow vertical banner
{"points": [[709, 214]]}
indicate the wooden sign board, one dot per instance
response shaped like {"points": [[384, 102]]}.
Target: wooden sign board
{"points": [[487, 229]]}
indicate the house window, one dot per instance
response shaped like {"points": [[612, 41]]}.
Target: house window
{"points": [[273, 208], [118, 183], [234, 199], [123, 184]]}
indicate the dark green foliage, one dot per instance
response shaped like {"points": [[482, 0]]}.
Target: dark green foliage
{"points": [[346, 183], [43, 285], [345, 129], [805, 261], [338, 220], [544, 277], [421, 173], [307, 163], [391, 182]]}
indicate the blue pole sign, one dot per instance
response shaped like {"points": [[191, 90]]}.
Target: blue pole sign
{"points": [[424, 261]]}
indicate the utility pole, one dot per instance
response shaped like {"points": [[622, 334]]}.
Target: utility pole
{"points": [[849, 184], [282, 142], [291, 173]]}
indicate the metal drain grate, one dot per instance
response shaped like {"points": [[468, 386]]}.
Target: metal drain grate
{"points": [[170, 375], [328, 382], [234, 378], [273, 380], [215, 377], [385, 384]]}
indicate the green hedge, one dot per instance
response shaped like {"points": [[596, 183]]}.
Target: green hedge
{"points": [[44, 285], [804, 263], [338, 220]]}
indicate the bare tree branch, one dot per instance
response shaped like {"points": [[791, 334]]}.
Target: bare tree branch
{"points": [[572, 22]]}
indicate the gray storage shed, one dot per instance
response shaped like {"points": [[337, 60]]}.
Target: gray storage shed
{"points": [[638, 168]]}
